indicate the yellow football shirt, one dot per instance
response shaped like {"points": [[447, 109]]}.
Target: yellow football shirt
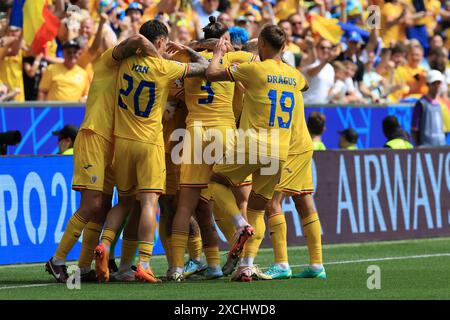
{"points": [[143, 84], [63, 84], [99, 114], [212, 102], [300, 138], [11, 74], [272, 100], [396, 32]]}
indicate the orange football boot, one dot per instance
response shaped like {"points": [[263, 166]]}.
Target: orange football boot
{"points": [[145, 275], [101, 263]]}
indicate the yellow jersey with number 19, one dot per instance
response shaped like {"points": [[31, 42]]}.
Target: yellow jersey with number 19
{"points": [[212, 102], [99, 114], [143, 84], [271, 102]]}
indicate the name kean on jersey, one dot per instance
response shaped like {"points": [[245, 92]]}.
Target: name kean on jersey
{"points": [[139, 68], [282, 80]]}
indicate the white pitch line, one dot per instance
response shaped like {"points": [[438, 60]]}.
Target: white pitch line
{"points": [[423, 256], [29, 286]]}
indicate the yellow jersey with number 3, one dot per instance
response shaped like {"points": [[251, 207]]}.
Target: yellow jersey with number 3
{"points": [[143, 84], [99, 114], [272, 100], [212, 102]]}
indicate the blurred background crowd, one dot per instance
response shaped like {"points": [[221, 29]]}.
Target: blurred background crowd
{"points": [[351, 51]]}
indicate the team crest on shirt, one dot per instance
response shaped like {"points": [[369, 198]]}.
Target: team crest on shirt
{"points": [[178, 83], [94, 178]]}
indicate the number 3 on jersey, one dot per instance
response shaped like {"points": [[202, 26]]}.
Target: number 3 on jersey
{"points": [[142, 84], [208, 89], [285, 95]]}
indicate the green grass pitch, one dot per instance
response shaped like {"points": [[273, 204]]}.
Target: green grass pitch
{"points": [[416, 269]]}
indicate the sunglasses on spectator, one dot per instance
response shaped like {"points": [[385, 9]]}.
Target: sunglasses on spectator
{"points": [[294, 23], [325, 48]]}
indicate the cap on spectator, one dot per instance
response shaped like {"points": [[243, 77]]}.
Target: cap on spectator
{"points": [[71, 44], [350, 135], [69, 131], [434, 75], [354, 36], [135, 6]]}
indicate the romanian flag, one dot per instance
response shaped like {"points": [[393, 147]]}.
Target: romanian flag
{"points": [[327, 28], [445, 106], [38, 23]]}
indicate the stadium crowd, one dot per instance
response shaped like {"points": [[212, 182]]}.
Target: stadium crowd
{"points": [[350, 51]]}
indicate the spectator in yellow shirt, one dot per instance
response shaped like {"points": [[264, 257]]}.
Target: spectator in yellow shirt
{"points": [[412, 74], [393, 19], [66, 81], [11, 63]]}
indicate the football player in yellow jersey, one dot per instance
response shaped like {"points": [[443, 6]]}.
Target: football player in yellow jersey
{"points": [[93, 151], [272, 91], [296, 181], [210, 118], [143, 85]]}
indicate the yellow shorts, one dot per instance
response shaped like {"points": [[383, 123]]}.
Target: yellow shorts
{"points": [[92, 163], [140, 167], [263, 183], [172, 177], [296, 177], [199, 148]]}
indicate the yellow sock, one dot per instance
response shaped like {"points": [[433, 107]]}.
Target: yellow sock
{"points": [[256, 220], [195, 247], [145, 253], [226, 200], [212, 256], [163, 235], [178, 246], [278, 234], [128, 251], [108, 237], [91, 234], [312, 231], [224, 222], [71, 235]]}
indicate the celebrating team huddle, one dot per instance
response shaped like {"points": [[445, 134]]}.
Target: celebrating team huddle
{"points": [[205, 133]]}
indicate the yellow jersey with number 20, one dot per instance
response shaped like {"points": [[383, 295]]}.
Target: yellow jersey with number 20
{"points": [[143, 84]]}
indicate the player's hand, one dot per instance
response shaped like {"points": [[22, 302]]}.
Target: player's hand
{"points": [[174, 47], [221, 47]]}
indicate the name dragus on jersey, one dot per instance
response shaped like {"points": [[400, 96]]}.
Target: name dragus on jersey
{"points": [[281, 80], [139, 68]]}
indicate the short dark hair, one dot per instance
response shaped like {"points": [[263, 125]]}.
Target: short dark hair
{"points": [[316, 123], [399, 48], [154, 29], [274, 36], [214, 29], [390, 126]]}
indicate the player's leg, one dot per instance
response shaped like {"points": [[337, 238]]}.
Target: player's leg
{"points": [[89, 169], [210, 240], [227, 226], [113, 222], [312, 230], [146, 235], [90, 205], [195, 250], [187, 202], [262, 190], [278, 237], [91, 235], [166, 214], [129, 245]]}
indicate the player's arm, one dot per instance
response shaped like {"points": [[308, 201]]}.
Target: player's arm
{"points": [[204, 44], [214, 71], [132, 45], [198, 65]]}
